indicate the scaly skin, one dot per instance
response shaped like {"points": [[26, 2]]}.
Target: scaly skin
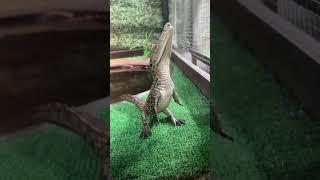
{"points": [[92, 129], [162, 88]]}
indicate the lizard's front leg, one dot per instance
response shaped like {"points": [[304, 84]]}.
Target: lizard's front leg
{"points": [[146, 132], [175, 121]]}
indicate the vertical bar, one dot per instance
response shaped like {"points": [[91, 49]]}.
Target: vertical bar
{"points": [[311, 16], [165, 11], [295, 14], [317, 20]]}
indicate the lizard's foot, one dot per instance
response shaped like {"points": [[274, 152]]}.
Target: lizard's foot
{"points": [[155, 121], [146, 132], [177, 122]]}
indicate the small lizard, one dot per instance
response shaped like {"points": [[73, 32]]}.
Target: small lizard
{"points": [[162, 88]]}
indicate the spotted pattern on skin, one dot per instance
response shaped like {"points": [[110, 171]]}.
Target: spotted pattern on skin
{"points": [[156, 49], [161, 75], [162, 87]]}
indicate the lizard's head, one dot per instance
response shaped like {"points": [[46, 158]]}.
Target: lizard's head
{"points": [[168, 28], [164, 44]]}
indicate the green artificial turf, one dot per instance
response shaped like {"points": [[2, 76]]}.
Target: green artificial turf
{"points": [[170, 151], [52, 154], [274, 138]]}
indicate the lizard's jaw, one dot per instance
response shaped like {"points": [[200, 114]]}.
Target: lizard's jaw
{"points": [[166, 44]]}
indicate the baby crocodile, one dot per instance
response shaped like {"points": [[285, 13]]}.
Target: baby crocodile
{"points": [[162, 88]]}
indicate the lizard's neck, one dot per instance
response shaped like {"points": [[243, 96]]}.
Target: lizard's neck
{"points": [[160, 68], [163, 67], [163, 70]]}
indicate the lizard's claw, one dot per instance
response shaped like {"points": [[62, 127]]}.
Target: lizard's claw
{"points": [[178, 122], [146, 132], [156, 122], [176, 100]]}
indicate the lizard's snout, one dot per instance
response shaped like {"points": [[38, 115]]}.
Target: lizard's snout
{"points": [[168, 26]]}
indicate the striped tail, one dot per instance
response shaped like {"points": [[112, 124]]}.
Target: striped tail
{"points": [[92, 129], [130, 98]]}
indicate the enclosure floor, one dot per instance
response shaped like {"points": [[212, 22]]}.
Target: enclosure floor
{"points": [[51, 154], [170, 151], [274, 138]]}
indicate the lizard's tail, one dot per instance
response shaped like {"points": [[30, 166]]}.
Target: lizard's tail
{"points": [[215, 125], [130, 98], [92, 129]]}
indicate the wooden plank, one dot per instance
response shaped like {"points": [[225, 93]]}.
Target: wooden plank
{"points": [[199, 77], [279, 46], [53, 27], [199, 57], [128, 77], [18, 7], [129, 61], [67, 68], [126, 53], [53, 22], [293, 34]]}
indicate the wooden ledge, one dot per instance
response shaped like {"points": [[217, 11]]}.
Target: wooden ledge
{"points": [[198, 76]]}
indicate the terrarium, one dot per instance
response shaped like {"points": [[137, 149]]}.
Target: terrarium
{"points": [[160, 51], [266, 89]]}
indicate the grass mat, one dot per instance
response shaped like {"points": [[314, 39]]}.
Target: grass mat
{"points": [[53, 154], [170, 151], [274, 138]]}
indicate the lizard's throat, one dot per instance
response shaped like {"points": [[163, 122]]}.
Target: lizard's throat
{"points": [[163, 71], [165, 51]]}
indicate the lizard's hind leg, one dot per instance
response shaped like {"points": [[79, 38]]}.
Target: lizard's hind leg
{"points": [[175, 121], [146, 132]]}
